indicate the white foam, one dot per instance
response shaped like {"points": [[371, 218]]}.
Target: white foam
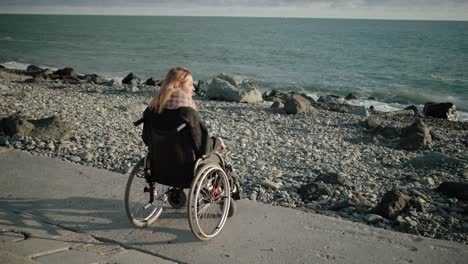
{"points": [[23, 66], [388, 107]]}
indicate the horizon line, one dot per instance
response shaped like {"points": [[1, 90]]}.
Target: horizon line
{"points": [[285, 17]]}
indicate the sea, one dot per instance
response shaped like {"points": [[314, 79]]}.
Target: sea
{"points": [[397, 62]]}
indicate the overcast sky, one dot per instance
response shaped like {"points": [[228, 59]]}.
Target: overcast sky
{"points": [[385, 9]]}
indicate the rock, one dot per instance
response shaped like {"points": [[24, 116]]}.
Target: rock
{"points": [[429, 181], [50, 146], [3, 87], [94, 79], [233, 79], [75, 158], [47, 128], [331, 99], [66, 72], [334, 178], [371, 98], [202, 87], [277, 105], [246, 92], [133, 89], [253, 196], [112, 83], [374, 126], [152, 82], [131, 79], [415, 136], [33, 69], [312, 191], [408, 112], [373, 218], [441, 110], [50, 128], [87, 156], [414, 109], [35, 79], [350, 97], [16, 125], [271, 184], [392, 204], [296, 103], [360, 111], [454, 189]]}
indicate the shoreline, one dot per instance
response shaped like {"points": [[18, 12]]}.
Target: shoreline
{"points": [[275, 155], [361, 101]]}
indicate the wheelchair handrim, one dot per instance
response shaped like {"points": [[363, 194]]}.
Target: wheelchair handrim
{"points": [[224, 199]]}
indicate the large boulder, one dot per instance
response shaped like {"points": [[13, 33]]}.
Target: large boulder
{"points": [[334, 178], [441, 110], [66, 72], [152, 82], [94, 79], [202, 87], [454, 189], [359, 110], [296, 103], [33, 69], [331, 99], [233, 79], [231, 90], [16, 125], [312, 191], [415, 136], [375, 126], [393, 203], [131, 79], [45, 129]]}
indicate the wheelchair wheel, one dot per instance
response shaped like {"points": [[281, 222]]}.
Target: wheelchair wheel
{"points": [[137, 197], [232, 208], [209, 202]]}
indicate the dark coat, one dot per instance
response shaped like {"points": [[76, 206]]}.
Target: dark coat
{"points": [[173, 154]]}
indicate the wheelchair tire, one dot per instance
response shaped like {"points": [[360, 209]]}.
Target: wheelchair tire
{"points": [[209, 193], [177, 198], [139, 212], [232, 208]]}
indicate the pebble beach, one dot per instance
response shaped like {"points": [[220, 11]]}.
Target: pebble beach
{"points": [[319, 161]]}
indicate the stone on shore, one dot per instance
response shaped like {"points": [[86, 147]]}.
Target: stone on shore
{"points": [[45, 129], [66, 72], [454, 189], [392, 204], [296, 104], [132, 79], [415, 136], [359, 111], [441, 110], [231, 88]]}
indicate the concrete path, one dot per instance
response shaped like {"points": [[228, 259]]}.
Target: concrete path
{"points": [[65, 204]]}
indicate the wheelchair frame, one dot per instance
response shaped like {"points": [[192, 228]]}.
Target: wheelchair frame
{"points": [[210, 189]]}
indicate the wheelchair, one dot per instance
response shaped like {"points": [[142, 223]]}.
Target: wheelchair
{"points": [[209, 202]]}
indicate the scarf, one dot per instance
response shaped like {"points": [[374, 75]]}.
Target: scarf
{"points": [[180, 99]]}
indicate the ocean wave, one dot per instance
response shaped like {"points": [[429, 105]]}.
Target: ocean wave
{"points": [[8, 38]]}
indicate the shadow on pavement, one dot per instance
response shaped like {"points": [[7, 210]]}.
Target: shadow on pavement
{"points": [[88, 215]]}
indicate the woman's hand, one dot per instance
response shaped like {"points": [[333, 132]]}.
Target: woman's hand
{"points": [[222, 146]]}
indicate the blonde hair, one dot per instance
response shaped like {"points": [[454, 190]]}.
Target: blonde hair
{"points": [[168, 87]]}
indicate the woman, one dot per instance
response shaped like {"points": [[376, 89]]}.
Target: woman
{"points": [[173, 131]]}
